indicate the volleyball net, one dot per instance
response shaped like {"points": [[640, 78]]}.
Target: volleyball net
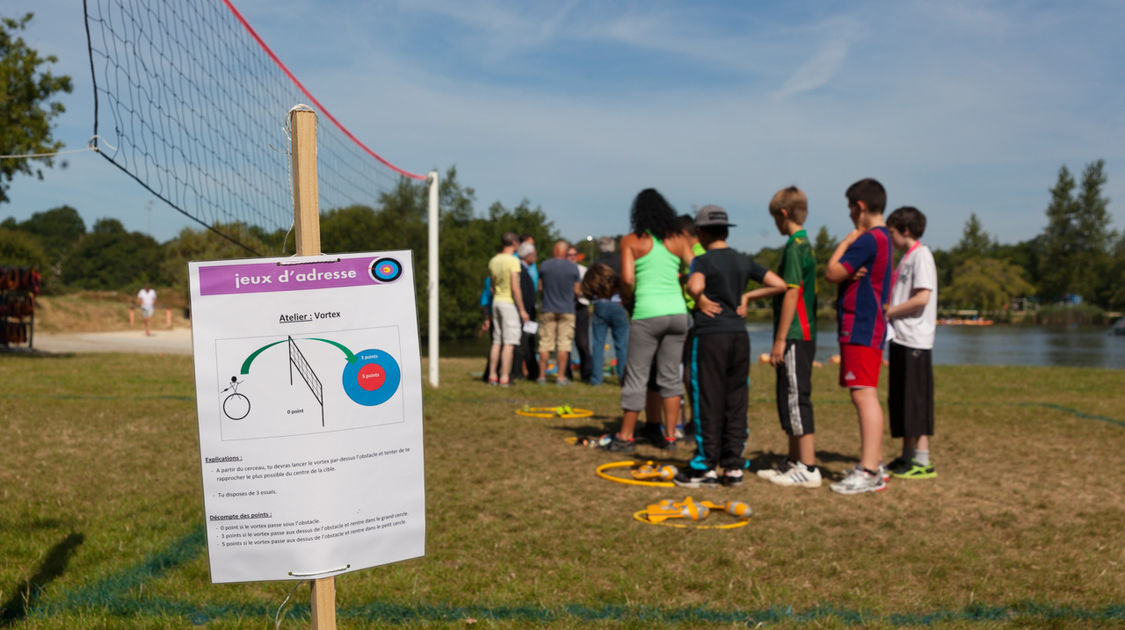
{"points": [[297, 360], [191, 103]]}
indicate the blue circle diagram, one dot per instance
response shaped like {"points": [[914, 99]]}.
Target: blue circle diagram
{"points": [[372, 378]]}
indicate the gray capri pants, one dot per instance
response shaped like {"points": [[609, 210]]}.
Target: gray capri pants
{"points": [[661, 337]]}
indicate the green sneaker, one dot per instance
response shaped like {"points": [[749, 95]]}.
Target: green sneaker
{"points": [[915, 471]]}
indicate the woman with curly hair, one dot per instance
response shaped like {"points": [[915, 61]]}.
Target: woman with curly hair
{"points": [[651, 255]]}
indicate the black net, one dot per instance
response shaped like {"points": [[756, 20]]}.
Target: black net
{"points": [[190, 103]]}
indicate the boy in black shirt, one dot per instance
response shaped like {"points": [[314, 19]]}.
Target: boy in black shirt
{"points": [[720, 351]]}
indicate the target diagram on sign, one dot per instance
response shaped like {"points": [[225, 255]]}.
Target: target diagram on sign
{"points": [[300, 384]]}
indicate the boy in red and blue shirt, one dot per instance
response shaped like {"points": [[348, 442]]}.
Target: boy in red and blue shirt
{"points": [[861, 265]]}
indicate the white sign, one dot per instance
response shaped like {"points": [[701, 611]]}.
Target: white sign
{"points": [[309, 394]]}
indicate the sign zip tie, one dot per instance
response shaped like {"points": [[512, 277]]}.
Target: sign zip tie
{"points": [[305, 575]]}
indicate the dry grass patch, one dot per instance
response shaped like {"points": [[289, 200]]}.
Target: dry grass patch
{"points": [[99, 311]]}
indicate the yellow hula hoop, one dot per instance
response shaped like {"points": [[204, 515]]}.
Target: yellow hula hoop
{"points": [[642, 516], [600, 471], [564, 411]]}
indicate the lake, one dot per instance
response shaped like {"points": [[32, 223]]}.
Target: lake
{"points": [[1077, 346]]}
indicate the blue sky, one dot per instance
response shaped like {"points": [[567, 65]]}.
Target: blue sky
{"points": [[957, 107]]}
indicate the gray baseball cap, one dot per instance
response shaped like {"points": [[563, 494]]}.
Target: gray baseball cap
{"points": [[712, 216]]}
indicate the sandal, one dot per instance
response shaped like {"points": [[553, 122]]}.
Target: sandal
{"points": [[492, 380]]}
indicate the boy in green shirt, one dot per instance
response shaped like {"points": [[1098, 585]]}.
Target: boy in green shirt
{"points": [[794, 346]]}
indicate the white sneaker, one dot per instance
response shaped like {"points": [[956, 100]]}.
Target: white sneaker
{"points": [[798, 475], [858, 481], [780, 469]]}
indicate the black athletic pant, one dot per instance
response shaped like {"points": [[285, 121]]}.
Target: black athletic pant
{"points": [[720, 367], [582, 342]]}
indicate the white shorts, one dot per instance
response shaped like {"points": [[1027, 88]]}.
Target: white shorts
{"points": [[506, 324]]}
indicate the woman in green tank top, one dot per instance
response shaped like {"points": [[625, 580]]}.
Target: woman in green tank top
{"points": [[651, 255]]}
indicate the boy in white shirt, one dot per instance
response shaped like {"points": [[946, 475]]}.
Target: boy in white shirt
{"points": [[912, 314]]}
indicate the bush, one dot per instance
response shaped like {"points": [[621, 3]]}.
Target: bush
{"points": [[1066, 314]]}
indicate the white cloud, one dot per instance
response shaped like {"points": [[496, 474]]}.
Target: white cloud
{"points": [[818, 70], [922, 96]]}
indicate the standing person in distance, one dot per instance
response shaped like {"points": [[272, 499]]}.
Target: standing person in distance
{"points": [[861, 266], [529, 359], [650, 260], [794, 345], [581, 344], [609, 311], [912, 313], [508, 313], [559, 282], [146, 297], [719, 351]]}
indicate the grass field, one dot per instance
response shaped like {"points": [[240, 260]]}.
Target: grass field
{"points": [[101, 514]]}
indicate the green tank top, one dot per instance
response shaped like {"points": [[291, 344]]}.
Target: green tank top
{"points": [[658, 284], [697, 251]]}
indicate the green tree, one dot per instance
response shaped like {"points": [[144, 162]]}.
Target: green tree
{"points": [[20, 249], [26, 107], [1025, 255], [109, 258], [1113, 290], [467, 242], [943, 261], [350, 229], [975, 242], [191, 244], [987, 284], [58, 229], [823, 246], [1075, 243], [768, 257]]}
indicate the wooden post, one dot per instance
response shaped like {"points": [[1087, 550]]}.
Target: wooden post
{"points": [[306, 228], [306, 210]]}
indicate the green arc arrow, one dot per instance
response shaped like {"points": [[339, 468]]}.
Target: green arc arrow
{"points": [[348, 354], [254, 355]]}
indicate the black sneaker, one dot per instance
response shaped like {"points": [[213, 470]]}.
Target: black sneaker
{"points": [[898, 465], [667, 445], [732, 477], [618, 445], [690, 478]]}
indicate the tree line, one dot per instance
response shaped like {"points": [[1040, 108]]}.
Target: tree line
{"points": [[1076, 257]]}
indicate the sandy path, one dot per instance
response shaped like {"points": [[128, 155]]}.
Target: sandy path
{"points": [[163, 341]]}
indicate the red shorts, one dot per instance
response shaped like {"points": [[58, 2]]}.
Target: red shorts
{"points": [[860, 365]]}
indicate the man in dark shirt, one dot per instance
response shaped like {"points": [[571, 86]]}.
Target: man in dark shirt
{"points": [[528, 360], [559, 282]]}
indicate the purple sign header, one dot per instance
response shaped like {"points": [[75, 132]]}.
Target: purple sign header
{"points": [[297, 276]]}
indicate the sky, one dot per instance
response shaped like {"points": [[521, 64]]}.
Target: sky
{"points": [[956, 107]]}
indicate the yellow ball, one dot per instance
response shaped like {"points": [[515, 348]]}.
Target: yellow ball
{"points": [[739, 509], [667, 472], [645, 470]]}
